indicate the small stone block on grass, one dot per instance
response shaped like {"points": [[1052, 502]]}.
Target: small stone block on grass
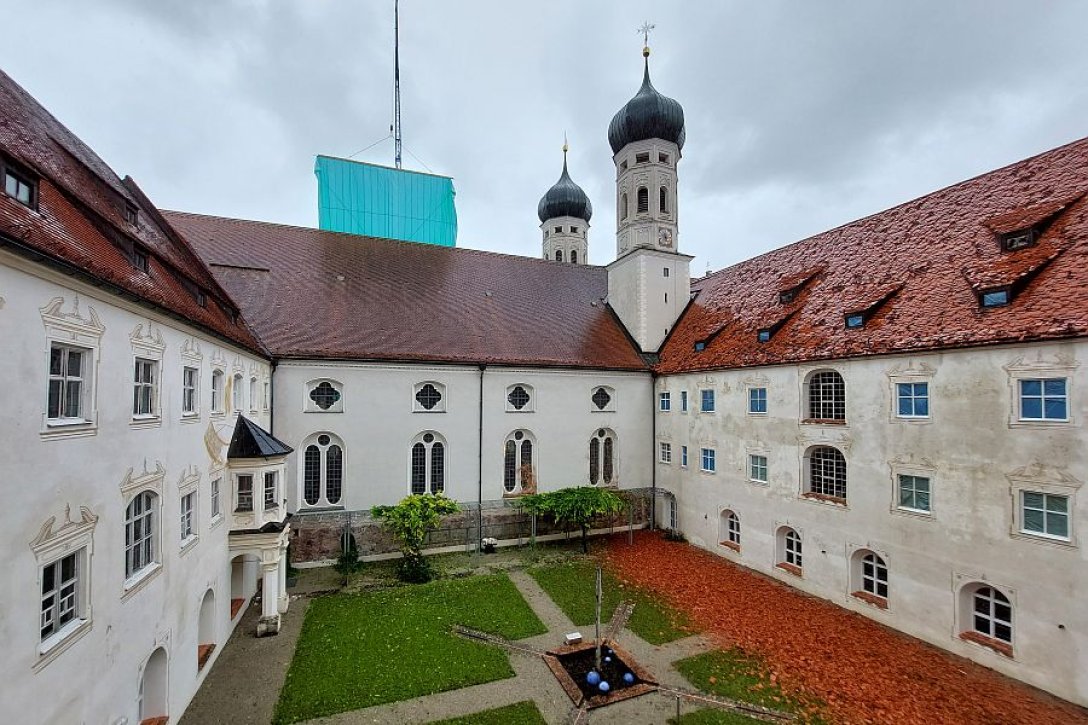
{"points": [[573, 638]]}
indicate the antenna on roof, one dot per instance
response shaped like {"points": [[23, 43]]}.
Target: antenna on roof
{"points": [[396, 81]]}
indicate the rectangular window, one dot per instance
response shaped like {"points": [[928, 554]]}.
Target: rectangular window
{"points": [[664, 402], [143, 390], [188, 391], [684, 456], [707, 401], [1045, 514], [19, 187], [913, 400], [66, 376], [708, 459], [665, 452], [217, 391], [757, 468], [188, 511], [216, 483], [245, 492], [914, 492], [267, 395], [140, 261], [643, 158], [757, 400], [270, 500], [1043, 399], [994, 298], [60, 594], [683, 401]]}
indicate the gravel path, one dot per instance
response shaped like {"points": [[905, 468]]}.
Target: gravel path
{"points": [[867, 673]]}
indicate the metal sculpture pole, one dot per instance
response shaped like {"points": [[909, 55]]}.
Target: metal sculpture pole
{"points": [[598, 621]]}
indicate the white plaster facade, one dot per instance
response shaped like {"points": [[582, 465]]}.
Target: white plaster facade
{"points": [[378, 419], [978, 456], [566, 239], [68, 486]]}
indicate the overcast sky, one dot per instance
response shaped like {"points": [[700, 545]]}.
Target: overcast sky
{"points": [[800, 115]]}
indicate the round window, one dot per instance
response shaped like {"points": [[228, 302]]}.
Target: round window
{"points": [[323, 439], [600, 433], [428, 438], [519, 435]]}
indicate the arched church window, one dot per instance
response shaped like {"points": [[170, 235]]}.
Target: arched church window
{"points": [[664, 200], [623, 205], [559, 255], [322, 471], [574, 256], [602, 447], [518, 472], [428, 463], [643, 201]]}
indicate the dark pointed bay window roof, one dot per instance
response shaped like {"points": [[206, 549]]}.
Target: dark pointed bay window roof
{"points": [[252, 441]]}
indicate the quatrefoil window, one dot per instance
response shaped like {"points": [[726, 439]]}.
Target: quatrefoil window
{"points": [[428, 397], [518, 398], [601, 398], [325, 395]]}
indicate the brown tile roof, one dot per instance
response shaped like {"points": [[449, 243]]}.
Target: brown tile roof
{"points": [[316, 294], [917, 268], [79, 222]]}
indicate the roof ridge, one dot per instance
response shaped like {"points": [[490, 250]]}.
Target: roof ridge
{"points": [[858, 220], [465, 250]]}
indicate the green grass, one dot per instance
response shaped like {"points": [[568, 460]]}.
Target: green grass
{"points": [[361, 650], [571, 587], [738, 676], [521, 713]]}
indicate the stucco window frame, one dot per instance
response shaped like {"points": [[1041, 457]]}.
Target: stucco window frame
{"points": [[913, 374], [254, 381], [855, 590], [1042, 479], [428, 461], [1042, 369], [133, 485], [779, 565], [51, 546], [757, 448], [220, 367], [965, 586], [440, 388], [189, 483], [191, 357], [923, 468], [723, 536], [311, 406], [322, 503], [530, 405], [804, 379], [805, 493], [71, 329], [148, 346], [216, 472], [664, 452]]}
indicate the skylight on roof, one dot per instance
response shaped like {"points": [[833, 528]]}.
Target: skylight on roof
{"points": [[765, 334], [855, 320], [994, 297]]}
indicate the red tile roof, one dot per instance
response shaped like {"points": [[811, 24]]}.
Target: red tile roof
{"points": [[939, 251], [318, 294], [79, 222]]}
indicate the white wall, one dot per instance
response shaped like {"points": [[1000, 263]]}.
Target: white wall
{"points": [[378, 423], [96, 678], [973, 449]]}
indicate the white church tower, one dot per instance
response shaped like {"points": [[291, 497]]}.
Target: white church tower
{"points": [[649, 283], [564, 213]]}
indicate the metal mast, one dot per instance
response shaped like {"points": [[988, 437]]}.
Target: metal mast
{"points": [[396, 80]]}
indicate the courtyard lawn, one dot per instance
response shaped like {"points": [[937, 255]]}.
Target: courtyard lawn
{"points": [[571, 587], [733, 674], [361, 650], [522, 713]]}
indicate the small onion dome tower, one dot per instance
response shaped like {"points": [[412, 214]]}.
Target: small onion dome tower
{"points": [[564, 213], [649, 283], [647, 136]]}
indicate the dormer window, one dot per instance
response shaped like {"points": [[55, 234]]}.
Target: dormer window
{"points": [[201, 299], [20, 187], [643, 158], [994, 297], [855, 320], [140, 261], [788, 296], [765, 334], [1018, 240], [700, 345], [132, 214]]}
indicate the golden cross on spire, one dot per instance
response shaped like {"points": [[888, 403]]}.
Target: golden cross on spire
{"points": [[564, 144], [645, 30]]}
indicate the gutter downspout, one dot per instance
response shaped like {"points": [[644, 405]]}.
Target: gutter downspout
{"points": [[653, 446], [272, 397], [480, 470]]}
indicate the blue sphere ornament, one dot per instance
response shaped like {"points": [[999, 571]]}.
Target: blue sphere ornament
{"points": [[628, 678], [607, 659], [593, 677], [603, 687]]}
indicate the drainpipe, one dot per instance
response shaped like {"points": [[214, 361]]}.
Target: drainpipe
{"points": [[272, 399], [480, 470], [653, 447]]}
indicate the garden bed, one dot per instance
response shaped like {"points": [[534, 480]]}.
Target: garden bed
{"points": [[572, 665]]}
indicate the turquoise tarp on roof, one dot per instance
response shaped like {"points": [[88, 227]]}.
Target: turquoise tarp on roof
{"points": [[380, 201]]}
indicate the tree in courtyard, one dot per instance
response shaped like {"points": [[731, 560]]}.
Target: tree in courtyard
{"points": [[409, 522], [577, 505]]}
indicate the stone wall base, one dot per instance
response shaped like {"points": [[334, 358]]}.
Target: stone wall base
{"points": [[316, 536]]}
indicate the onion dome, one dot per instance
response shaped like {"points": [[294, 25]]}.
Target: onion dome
{"points": [[564, 199], [648, 115]]}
